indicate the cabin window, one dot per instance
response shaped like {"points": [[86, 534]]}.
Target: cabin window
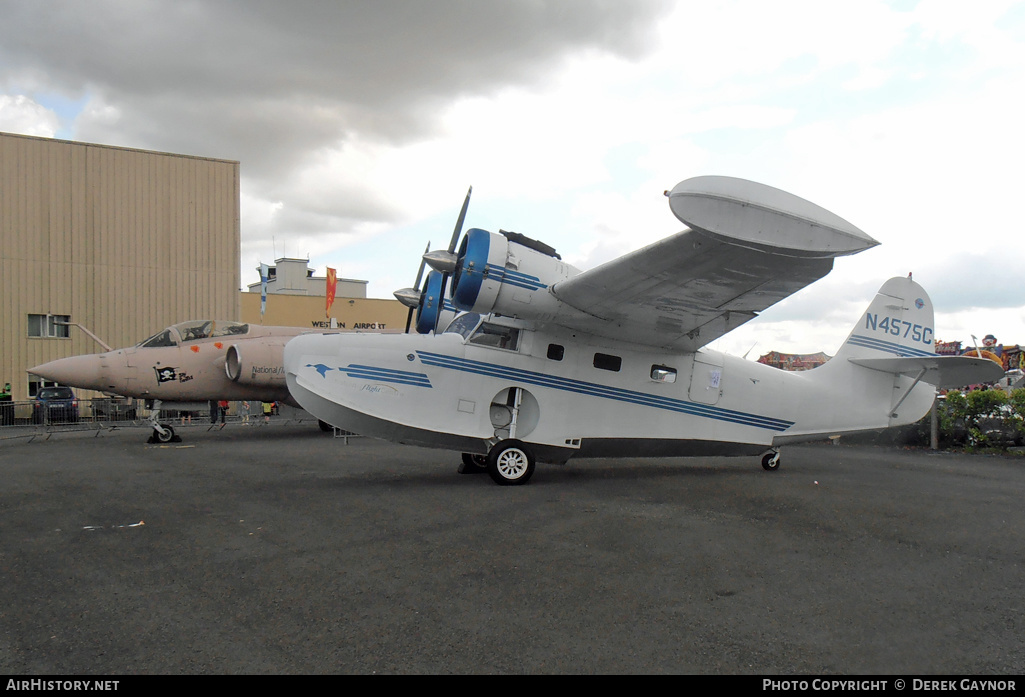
{"points": [[663, 373], [604, 361], [496, 336], [464, 324], [556, 352]]}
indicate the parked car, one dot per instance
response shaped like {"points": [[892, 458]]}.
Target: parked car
{"points": [[55, 405]]}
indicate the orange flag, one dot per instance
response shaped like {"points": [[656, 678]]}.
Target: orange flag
{"points": [[332, 285]]}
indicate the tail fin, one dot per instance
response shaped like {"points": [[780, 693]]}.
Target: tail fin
{"points": [[895, 336], [886, 372], [850, 395], [898, 324]]}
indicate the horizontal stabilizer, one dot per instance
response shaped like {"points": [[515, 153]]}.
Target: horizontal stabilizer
{"points": [[941, 371]]}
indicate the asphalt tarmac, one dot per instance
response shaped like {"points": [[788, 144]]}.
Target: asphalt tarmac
{"points": [[281, 550]]}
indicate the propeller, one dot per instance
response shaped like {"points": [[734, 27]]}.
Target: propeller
{"points": [[412, 297], [432, 292], [445, 260], [428, 300]]}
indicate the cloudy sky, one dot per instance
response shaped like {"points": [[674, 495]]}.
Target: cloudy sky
{"points": [[359, 126]]}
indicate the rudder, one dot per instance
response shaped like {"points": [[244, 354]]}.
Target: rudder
{"points": [[850, 397], [898, 323]]}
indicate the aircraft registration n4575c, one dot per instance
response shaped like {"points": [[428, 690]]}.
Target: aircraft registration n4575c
{"points": [[520, 358]]}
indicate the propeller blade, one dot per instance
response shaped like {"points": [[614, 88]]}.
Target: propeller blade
{"points": [[459, 223], [410, 297], [420, 271]]}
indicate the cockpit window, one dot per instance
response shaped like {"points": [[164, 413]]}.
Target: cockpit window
{"points": [[464, 324], [192, 331], [496, 336], [195, 330], [222, 328], [210, 329], [164, 338]]}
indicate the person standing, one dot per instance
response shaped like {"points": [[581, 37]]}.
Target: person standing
{"points": [[6, 406], [267, 406]]}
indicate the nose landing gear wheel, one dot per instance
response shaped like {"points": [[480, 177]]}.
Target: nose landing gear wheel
{"points": [[770, 461], [510, 463], [164, 434]]}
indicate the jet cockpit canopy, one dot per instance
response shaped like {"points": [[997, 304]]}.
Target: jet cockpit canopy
{"points": [[194, 330]]}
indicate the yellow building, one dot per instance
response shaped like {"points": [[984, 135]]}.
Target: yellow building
{"points": [[297, 298]]}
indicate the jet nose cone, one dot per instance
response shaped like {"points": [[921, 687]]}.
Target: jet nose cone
{"points": [[78, 371]]}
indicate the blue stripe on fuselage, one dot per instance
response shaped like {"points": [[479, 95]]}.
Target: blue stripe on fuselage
{"points": [[596, 390]]}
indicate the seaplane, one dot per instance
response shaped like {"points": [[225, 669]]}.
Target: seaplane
{"points": [[520, 358]]}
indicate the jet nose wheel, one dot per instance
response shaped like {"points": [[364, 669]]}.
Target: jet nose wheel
{"points": [[164, 434], [510, 463], [770, 461]]}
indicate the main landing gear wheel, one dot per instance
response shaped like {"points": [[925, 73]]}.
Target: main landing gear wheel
{"points": [[473, 464], [510, 462], [770, 461]]}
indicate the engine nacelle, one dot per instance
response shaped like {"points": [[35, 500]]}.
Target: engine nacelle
{"points": [[435, 311], [257, 361], [507, 274]]}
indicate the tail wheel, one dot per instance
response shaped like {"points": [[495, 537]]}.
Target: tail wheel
{"points": [[510, 462], [770, 461]]}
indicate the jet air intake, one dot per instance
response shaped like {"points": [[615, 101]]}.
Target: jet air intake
{"points": [[256, 362]]}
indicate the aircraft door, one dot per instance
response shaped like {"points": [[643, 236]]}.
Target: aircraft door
{"points": [[706, 379]]}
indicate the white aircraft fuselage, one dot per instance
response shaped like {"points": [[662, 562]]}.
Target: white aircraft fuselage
{"points": [[547, 362], [575, 395]]}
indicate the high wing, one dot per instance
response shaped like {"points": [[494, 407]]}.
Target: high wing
{"points": [[748, 246]]}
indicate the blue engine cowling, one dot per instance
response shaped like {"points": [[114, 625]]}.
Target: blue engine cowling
{"points": [[496, 274], [432, 302]]}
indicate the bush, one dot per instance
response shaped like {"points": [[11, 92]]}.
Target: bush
{"points": [[981, 418]]}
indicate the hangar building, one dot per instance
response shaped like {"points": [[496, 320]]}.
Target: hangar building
{"points": [[120, 241]]}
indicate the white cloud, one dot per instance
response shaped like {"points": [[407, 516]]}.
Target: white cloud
{"points": [[20, 114], [903, 119]]}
